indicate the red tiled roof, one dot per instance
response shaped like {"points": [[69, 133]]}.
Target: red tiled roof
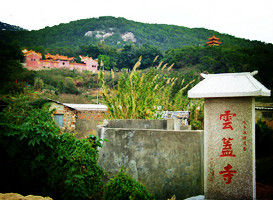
{"points": [[26, 52], [58, 57], [213, 38], [211, 42]]}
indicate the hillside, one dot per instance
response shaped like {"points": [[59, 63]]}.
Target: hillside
{"points": [[124, 41], [8, 27], [118, 31]]}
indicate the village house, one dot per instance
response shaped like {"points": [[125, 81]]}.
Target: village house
{"points": [[34, 61], [81, 119]]}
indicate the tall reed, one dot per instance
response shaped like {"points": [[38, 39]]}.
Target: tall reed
{"points": [[139, 94]]}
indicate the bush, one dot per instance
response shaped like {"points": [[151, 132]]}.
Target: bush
{"points": [[123, 187], [36, 159], [264, 153], [38, 84], [264, 139]]}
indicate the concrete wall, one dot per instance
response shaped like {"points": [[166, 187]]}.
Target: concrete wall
{"points": [[165, 124], [166, 162], [136, 124]]}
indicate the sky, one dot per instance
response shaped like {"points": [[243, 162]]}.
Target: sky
{"points": [[250, 19]]}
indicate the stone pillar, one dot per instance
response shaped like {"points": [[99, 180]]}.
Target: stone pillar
{"points": [[229, 133], [229, 148]]}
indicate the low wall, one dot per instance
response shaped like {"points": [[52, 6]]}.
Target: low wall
{"points": [[165, 124], [166, 162]]}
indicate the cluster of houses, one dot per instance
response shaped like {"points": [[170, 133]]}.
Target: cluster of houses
{"points": [[34, 61]]}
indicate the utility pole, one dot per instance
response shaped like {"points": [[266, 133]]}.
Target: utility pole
{"points": [[101, 65]]}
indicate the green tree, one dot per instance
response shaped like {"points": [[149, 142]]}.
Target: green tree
{"points": [[11, 71], [38, 84], [104, 62], [90, 50], [51, 164]]}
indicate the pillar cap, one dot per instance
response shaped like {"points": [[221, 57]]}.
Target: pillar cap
{"points": [[228, 85]]}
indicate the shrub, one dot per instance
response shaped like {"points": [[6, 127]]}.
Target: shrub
{"points": [[264, 139], [36, 159], [123, 187], [38, 84]]}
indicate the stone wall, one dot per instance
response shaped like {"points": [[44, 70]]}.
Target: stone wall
{"points": [[166, 162], [69, 116]]}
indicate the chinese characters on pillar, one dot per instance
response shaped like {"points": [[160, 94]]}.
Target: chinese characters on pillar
{"points": [[227, 117], [228, 173], [244, 135], [227, 150], [211, 170]]}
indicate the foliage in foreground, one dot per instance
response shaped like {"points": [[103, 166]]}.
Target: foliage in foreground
{"points": [[140, 95], [264, 139], [264, 153], [37, 159], [123, 187]]}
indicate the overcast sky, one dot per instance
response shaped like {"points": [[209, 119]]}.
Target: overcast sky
{"points": [[251, 19]]}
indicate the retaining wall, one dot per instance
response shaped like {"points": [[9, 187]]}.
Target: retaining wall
{"points": [[166, 162]]}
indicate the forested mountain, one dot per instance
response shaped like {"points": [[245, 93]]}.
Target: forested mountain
{"points": [[8, 27], [118, 31], [119, 43]]}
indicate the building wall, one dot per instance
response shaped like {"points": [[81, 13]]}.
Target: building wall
{"points": [[87, 122], [69, 116], [49, 64], [34, 62], [63, 63], [91, 65], [166, 162]]}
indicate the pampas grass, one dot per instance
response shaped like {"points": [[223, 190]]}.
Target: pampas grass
{"points": [[139, 94]]}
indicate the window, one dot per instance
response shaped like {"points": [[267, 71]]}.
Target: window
{"points": [[63, 63], [59, 119]]}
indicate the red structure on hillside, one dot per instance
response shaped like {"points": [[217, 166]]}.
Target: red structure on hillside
{"points": [[213, 41], [34, 61]]}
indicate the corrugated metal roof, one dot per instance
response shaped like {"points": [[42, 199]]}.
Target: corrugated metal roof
{"points": [[228, 85], [97, 107]]}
